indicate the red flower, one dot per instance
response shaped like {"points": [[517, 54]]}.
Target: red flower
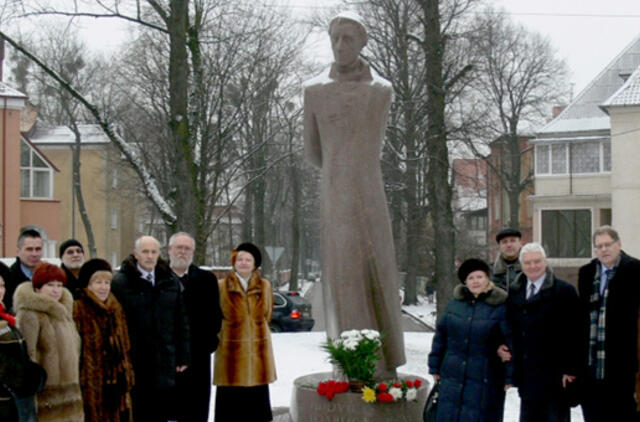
{"points": [[322, 388], [397, 385], [330, 394], [385, 398], [409, 384], [342, 387], [382, 387], [417, 383]]}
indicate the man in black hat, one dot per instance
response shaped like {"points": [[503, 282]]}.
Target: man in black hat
{"points": [[507, 266], [72, 257]]}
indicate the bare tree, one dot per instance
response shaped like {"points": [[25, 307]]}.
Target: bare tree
{"points": [[518, 79], [183, 85], [65, 53]]}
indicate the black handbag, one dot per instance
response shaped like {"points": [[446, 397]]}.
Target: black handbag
{"points": [[431, 406]]}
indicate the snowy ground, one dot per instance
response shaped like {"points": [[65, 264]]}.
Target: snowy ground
{"points": [[299, 354]]}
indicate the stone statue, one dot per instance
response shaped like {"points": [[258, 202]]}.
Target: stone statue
{"points": [[345, 115]]}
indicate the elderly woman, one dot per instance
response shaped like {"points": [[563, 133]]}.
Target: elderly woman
{"points": [[106, 374], [244, 362], [464, 356], [44, 315]]}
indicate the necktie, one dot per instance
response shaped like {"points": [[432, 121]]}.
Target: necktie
{"points": [[531, 292], [150, 278], [608, 276]]}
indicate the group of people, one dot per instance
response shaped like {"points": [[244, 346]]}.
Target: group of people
{"points": [[518, 325], [80, 342]]}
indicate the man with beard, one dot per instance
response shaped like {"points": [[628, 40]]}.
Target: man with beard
{"points": [[72, 257], [29, 255], [202, 302], [151, 297]]}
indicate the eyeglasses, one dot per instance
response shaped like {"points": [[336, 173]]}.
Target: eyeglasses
{"points": [[605, 245]]}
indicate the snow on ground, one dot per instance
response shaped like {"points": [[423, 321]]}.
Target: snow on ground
{"points": [[425, 310], [299, 354]]}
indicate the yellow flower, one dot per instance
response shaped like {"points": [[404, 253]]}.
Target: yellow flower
{"points": [[368, 395]]}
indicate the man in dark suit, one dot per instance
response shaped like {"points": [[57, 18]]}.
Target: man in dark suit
{"points": [[543, 312], [202, 301], [609, 288], [151, 297], [29, 255]]}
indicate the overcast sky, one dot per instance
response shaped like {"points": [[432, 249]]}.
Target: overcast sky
{"points": [[588, 34]]}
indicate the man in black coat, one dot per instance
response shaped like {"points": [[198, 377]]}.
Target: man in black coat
{"points": [[72, 257], [507, 265], [29, 255], [609, 289], [202, 300], [151, 297], [544, 315]]}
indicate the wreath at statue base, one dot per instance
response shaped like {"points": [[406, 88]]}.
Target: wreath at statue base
{"points": [[309, 406]]}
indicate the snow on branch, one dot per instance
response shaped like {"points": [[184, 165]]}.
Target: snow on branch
{"points": [[130, 154]]}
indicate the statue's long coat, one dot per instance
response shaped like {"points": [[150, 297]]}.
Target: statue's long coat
{"points": [[344, 126]]}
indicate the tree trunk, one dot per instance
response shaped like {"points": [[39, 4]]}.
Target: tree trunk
{"points": [[77, 189], [188, 201], [514, 188], [295, 226], [438, 169]]}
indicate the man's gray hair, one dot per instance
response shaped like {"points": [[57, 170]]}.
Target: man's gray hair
{"points": [[606, 230], [136, 244], [173, 238], [532, 247]]}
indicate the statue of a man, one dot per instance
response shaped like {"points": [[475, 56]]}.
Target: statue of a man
{"points": [[345, 115]]}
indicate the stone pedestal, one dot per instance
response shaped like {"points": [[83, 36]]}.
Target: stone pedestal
{"points": [[308, 406]]}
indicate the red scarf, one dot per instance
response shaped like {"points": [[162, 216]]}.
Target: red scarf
{"points": [[7, 317]]}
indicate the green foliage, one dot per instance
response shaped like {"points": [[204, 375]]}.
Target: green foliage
{"points": [[355, 353]]}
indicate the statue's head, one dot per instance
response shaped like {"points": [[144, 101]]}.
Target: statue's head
{"points": [[348, 37]]}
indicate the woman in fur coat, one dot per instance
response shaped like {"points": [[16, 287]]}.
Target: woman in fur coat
{"points": [[44, 316], [244, 362], [106, 373], [464, 358]]}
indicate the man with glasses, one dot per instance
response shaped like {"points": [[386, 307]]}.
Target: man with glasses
{"points": [[202, 301], [609, 294]]}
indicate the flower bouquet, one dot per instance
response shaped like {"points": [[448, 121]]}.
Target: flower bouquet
{"points": [[392, 391], [355, 353]]}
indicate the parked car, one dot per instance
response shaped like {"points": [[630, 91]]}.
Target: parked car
{"points": [[291, 312]]}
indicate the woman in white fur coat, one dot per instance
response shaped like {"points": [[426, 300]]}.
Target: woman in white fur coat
{"points": [[44, 313]]}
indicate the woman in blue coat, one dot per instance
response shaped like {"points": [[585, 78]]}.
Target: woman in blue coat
{"points": [[463, 357]]}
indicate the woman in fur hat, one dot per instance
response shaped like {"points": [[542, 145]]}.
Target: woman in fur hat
{"points": [[106, 373], [244, 362], [463, 357], [44, 316]]}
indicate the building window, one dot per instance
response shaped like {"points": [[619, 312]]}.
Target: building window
{"points": [[114, 178], [36, 176], [114, 218], [606, 156], [542, 159], [585, 157], [559, 159], [567, 233]]}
